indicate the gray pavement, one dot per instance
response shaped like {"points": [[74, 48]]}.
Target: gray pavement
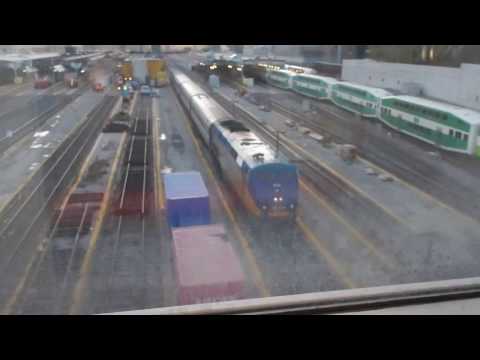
{"points": [[21, 160]]}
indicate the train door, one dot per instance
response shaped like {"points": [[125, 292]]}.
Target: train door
{"points": [[437, 138]]}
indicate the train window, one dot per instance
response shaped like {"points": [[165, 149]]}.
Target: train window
{"points": [[458, 135], [465, 137], [450, 132]]}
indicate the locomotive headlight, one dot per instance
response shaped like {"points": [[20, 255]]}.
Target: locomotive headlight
{"points": [[264, 207], [275, 199], [280, 199]]}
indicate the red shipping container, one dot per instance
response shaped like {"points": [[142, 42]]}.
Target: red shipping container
{"points": [[206, 265]]}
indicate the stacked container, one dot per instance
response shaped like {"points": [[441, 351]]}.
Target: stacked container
{"points": [[206, 266], [187, 199]]}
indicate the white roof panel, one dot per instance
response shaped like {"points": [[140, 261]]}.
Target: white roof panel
{"points": [[372, 90], [328, 80], [282, 71], [246, 151]]}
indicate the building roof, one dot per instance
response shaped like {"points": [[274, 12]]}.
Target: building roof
{"points": [[471, 116], [372, 90], [27, 57]]}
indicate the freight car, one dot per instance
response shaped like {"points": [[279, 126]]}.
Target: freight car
{"points": [[265, 183], [206, 266], [187, 199], [42, 83]]}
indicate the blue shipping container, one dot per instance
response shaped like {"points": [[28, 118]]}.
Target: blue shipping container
{"points": [[187, 199]]}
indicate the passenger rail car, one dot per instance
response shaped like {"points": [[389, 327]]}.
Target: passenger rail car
{"points": [[280, 78], [363, 100], [449, 127], [317, 87], [266, 183]]}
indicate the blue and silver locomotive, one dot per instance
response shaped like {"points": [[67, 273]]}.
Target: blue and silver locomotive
{"points": [[265, 182]]}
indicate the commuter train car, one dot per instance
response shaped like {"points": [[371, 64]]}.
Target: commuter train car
{"points": [[317, 87], [359, 99], [449, 127], [266, 184], [280, 78]]}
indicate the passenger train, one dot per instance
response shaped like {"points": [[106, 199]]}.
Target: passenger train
{"points": [[265, 182], [447, 126]]}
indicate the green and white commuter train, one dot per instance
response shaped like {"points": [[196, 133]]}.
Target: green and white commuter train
{"points": [[317, 87], [362, 100], [447, 126], [280, 78]]}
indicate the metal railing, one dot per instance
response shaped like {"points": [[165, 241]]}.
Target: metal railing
{"points": [[333, 302]]}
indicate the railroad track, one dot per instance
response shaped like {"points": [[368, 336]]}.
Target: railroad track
{"points": [[24, 222], [285, 245], [389, 159], [33, 124], [335, 189], [133, 213], [392, 164]]}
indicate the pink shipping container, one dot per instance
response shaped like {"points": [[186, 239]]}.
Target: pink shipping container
{"points": [[206, 265]]}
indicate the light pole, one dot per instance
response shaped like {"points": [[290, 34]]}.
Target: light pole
{"points": [[339, 54]]}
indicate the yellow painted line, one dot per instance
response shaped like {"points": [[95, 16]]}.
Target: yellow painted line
{"points": [[158, 179], [21, 285], [259, 282], [133, 103], [419, 191], [356, 234], [79, 293], [353, 186], [332, 262]]}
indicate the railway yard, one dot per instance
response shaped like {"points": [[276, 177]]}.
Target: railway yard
{"points": [[84, 225]]}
